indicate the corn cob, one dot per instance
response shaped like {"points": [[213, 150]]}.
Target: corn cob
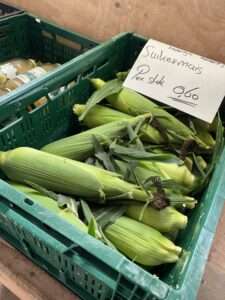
{"points": [[145, 169], [164, 220], [80, 146], [50, 204], [142, 173], [141, 243], [132, 103], [66, 176], [72, 177], [100, 115]]}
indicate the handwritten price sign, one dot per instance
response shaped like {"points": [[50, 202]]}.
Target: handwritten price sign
{"points": [[181, 79]]}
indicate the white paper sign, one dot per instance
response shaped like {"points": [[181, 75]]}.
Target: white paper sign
{"points": [[178, 78]]}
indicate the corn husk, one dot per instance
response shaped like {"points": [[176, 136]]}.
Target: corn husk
{"points": [[165, 220], [141, 243], [66, 176], [80, 146], [50, 205], [130, 102], [100, 115]]}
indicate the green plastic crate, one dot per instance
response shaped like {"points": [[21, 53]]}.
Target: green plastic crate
{"points": [[8, 11], [85, 265], [28, 36]]}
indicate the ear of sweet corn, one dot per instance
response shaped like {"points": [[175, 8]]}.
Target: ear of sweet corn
{"points": [[179, 173], [141, 243], [165, 220], [203, 133], [100, 115], [66, 176], [80, 146], [132, 103], [176, 198], [50, 204], [165, 170]]}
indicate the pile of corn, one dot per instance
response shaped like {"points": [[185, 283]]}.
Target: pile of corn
{"points": [[19, 71], [129, 178]]}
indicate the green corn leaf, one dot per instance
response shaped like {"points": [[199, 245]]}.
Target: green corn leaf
{"points": [[93, 228], [131, 165], [42, 190], [139, 183], [68, 202], [131, 134], [90, 161], [63, 201], [99, 164], [140, 125], [192, 126], [105, 240], [111, 87], [166, 184], [133, 137], [198, 166], [90, 220], [127, 195], [102, 155], [133, 154], [175, 135], [86, 211], [109, 214]]}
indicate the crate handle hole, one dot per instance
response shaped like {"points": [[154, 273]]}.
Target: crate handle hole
{"points": [[28, 201]]}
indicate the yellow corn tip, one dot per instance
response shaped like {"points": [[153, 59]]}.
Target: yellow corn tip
{"points": [[164, 220], [141, 243]]}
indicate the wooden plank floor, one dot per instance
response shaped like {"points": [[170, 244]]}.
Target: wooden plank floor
{"points": [[26, 280], [29, 282]]}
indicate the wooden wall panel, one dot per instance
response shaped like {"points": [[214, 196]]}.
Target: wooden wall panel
{"points": [[196, 25]]}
